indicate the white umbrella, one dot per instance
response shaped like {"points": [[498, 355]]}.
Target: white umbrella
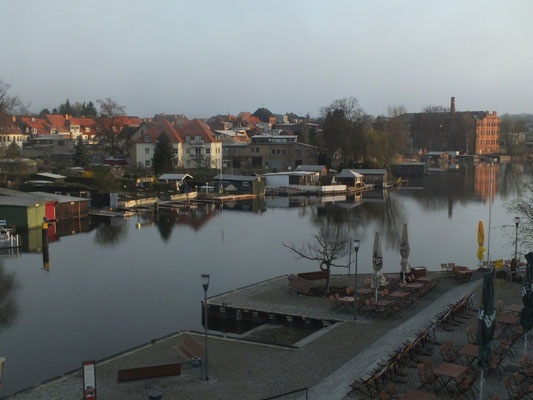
{"points": [[377, 261], [404, 251]]}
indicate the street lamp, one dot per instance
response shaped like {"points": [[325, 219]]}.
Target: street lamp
{"points": [[356, 244], [516, 222], [205, 284], [2, 368]]}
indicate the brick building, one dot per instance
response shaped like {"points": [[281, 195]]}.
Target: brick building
{"points": [[470, 132]]}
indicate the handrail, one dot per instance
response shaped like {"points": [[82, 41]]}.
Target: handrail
{"points": [[288, 393]]}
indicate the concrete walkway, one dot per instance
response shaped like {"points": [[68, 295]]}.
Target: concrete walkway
{"points": [[337, 385]]}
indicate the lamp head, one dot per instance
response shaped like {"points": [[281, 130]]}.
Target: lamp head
{"points": [[516, 220], [205, 281], [356, 244]]}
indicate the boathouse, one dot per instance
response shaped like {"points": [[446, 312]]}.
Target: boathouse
{"points": [[24, 212], [402, 170], [240, 184], [321, 169], [350, 177], [378, 177], [66, 207], [180, 180], [292, 178]]}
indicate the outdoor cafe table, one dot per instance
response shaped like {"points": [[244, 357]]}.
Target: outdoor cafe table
{"points": [[514, 308], [470, 351], [347, 299], [418, 395], [399, 294], [415, 286], [507, 320], [450, 371]]}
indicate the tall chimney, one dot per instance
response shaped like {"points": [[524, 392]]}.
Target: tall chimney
{"points": [[452, 106]]}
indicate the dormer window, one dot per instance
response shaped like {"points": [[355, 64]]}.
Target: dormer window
{"points": [[187, 139], [147, 139]]}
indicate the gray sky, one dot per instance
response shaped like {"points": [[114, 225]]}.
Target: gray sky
{"points": [[202, 58]]}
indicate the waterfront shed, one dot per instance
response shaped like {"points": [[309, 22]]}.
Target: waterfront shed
{"points": [[240, 184], [49, 177], [66, 207], [321, 169], [292, 178], [350, 177], [180, 180], [378, 177], [24, 212]]}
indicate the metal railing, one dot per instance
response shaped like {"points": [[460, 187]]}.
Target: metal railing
{"points": [[286, 394]]}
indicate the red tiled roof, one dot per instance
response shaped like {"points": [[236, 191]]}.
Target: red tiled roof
{"points": [[36, 123], [161, 126], [197, 128], [7, 126], [82, 121], [56, 120]]}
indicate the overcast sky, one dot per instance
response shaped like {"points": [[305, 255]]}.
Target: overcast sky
{"points": [[203, 58]]}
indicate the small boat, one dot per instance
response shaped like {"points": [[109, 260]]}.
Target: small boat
{"points": [[8, 239]]}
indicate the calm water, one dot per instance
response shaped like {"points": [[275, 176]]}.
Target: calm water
{"points": [[126, 281]]}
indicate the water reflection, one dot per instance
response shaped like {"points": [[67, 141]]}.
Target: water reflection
{"points": [[110, 231], [8, 307]]}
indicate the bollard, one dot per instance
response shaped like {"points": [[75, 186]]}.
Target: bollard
{"points": [[46, 259]]}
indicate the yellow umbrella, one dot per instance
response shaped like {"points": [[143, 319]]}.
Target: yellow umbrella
{"points": [[480, 241]]}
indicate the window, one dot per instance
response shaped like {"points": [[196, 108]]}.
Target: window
{"points": [[273, 151], [187, 139], [198, 151], [147, 151], [246, 184], [188, 151], [87, 129], [147, 139], [175, 151], [147, 163], [298, 153], [207, 151], [257, 149]]}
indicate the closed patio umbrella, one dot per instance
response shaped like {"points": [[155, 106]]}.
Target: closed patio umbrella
{"points": [[377, 261], [404, 251], [526, 315], [480, 242], [485, 325]]}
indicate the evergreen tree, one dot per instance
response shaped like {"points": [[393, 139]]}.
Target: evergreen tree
{"points": [[44, 112], [81, 156], [90, 110], [13, 151], [164, 159]]}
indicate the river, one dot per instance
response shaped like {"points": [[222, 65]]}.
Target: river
{"points": [[124, 282]]}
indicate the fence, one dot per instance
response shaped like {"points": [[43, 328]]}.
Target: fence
{"points": [[294, 394]]}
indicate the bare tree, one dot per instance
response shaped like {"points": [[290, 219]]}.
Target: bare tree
{"points": [[109, 111], [324, 247], [8, 103]]}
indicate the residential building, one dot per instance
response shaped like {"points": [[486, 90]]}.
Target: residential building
{"points": [[83, 126], [10, 133], [201, 149], [144, 140], [32, 125], [276, 153], [48, 144], [58, 124]]}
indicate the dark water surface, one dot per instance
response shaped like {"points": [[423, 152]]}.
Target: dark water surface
{"points": [[127, 281]]}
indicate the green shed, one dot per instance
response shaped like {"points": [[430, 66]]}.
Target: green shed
{"points": [[23, 212]]}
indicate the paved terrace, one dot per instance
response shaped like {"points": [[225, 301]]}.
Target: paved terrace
{"points": [[246, 370]]}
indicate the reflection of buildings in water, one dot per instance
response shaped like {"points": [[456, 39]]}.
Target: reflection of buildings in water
{"points": [[376, 195], [291, 201], [482, 180], [257, 205], [31, 239], [8, 307]]}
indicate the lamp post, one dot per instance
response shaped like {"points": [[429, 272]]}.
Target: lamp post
{"points": [[356, 244], [516, 222], [205, 284], [2, 368]]}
